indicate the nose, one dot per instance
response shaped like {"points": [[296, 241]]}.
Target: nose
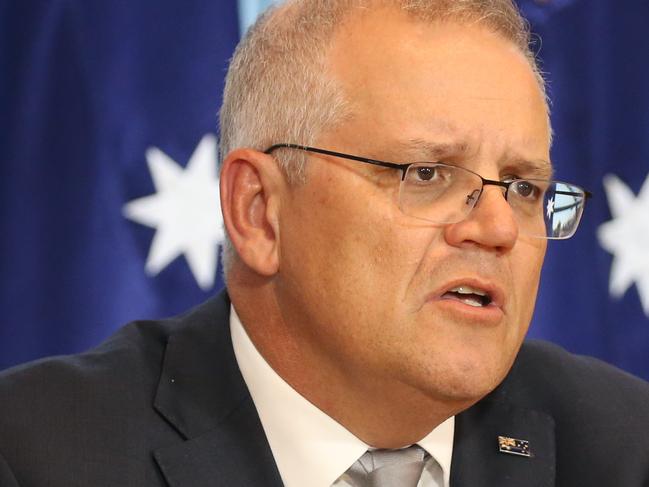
{"points": [[490, 224]]}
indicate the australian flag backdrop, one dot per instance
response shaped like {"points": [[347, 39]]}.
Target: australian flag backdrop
{"points": [[108, 184]]}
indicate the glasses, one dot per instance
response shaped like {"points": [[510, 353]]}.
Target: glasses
{"points": [[443, 194]]}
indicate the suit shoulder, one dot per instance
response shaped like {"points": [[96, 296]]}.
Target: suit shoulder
{"points": [[96, 405], [537, 356], [559, 379], [133, 353], [127, 356]]}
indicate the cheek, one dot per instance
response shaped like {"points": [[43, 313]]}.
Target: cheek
{"points": [[341, 225], [359, 256], [342, 243]]}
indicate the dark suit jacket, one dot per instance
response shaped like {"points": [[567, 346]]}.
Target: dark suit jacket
{"points": [[163, 403]]}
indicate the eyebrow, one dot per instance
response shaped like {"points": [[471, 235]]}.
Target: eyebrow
{"points": [[533, 169], [420, 150]]}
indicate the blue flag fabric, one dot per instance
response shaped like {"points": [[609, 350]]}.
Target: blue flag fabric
{"points": [[95, 96], [107, 123], [594, 297]]}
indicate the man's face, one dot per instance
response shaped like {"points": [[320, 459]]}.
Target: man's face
{"points": [[367, 286]]}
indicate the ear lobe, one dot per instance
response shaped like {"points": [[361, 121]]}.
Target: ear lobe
{"points": [[250, 204]]}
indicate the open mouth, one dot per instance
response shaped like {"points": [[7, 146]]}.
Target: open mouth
{"points": [[470, 296]]}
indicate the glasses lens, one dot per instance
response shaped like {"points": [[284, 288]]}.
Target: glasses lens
{"points": [[546, 209], [563, 209], [439, 193], [443, 194]]}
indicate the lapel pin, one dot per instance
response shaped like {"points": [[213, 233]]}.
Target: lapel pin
{"points": [[513, 446]]}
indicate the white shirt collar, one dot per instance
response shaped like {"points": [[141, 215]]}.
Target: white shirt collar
{"points": [[439, 444], [309, 447]]}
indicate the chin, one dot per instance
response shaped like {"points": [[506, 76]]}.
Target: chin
{"points": [[470, 389], [463, 381]]}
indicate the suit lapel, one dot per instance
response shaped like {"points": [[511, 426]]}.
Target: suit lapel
{"points": [[477, 461], [203, 396], [235, 453]]}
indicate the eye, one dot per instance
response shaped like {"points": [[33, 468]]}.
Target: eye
{"points": [[527, 190], [425, 173], [428, 174]]}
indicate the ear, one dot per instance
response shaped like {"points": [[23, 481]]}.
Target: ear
{"points": [[251, 184]]}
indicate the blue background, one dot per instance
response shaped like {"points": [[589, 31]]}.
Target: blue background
{"points": [[86, 86]]}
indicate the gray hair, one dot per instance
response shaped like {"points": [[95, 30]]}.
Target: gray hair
{"points": [[277, 88]]}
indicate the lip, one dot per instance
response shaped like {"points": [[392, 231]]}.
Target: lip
{"points": [[495, 292]]}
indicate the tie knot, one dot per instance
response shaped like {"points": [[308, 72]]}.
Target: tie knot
{"points": [[374, 459], [387, 468]]}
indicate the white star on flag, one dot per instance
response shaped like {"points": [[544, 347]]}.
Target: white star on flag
{"points": [[185, 211], [626, 236], [550, 208]]}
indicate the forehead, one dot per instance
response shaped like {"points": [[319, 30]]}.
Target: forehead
{"points": [[443, 83]]}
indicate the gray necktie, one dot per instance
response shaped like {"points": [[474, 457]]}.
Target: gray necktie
{"points": [[388, 468]]}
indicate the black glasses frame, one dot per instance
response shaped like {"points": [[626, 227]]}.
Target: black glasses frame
{"points": [[403, 167]]}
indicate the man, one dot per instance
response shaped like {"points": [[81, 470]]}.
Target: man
{"points": [[374, 302]]}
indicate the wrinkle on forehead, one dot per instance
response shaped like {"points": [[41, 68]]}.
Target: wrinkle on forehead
{"points": [[420, 150], [530, 169]]}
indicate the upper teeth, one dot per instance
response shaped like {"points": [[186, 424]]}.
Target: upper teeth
{"points": [[468, 290]]}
